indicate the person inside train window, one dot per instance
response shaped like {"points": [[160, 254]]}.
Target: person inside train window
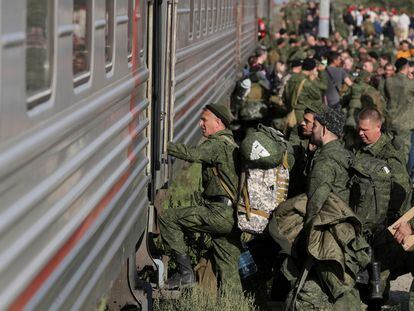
{"points": [[213, 214], [80, 37]]}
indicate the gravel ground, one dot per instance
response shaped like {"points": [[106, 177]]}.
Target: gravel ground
{"points": [[399, 291]]}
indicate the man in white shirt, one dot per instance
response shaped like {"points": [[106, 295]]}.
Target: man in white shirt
{"points": [[404, 25]]}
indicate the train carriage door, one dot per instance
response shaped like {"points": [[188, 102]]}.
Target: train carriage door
{"points": [[162, 97]]}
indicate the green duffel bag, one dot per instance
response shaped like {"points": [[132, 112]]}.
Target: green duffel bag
{"points": [[264, 148]]}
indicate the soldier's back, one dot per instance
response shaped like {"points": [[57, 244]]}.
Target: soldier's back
{"points": [[332, 159]]}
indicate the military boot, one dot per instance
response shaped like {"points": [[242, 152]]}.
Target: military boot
{"points": [[185, 276]]}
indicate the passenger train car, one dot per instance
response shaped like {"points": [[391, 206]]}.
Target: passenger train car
{"points": [[91, 92]]}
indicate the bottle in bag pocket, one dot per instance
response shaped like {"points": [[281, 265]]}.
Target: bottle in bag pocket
{"points": [[247, 266]]}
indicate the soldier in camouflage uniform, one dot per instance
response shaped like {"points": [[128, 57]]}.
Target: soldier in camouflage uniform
{"points": [[313, 89], [399, 92], [306, 91], [330, 167], [214, 215], [389, 71], [329, 174], [304, 152], [378, 145], [362, 95]]}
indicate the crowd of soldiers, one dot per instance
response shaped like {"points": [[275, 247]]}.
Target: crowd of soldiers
{"points": [[336, 101]]}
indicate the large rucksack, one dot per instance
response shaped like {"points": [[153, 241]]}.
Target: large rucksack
{"points": [[254, 107], [264, 182], [370, 190]]}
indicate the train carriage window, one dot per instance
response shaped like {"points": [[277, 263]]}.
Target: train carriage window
{"points": [[39, 43], [204, 16], [210, 16], [131, 18], [197, 10], [81, 40], [224, 14], [215, 9], [228, 13], [231, 13], [227, 8], [191, 34], [109, 33], [221, 14]]}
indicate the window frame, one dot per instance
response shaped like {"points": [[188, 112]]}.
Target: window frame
{"points": [[111, 35], [43, 95], [83, 77]]}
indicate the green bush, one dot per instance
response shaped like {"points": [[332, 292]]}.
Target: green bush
{"points": [[198, 299]]}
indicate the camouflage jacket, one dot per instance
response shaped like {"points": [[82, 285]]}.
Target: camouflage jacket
{"points": [[362, 95], [289, 92], [385, 150], [215, 152], [399, 92], [311, 96], [329, 173]]}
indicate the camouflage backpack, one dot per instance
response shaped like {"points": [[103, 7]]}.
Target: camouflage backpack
{"points": [[264, 182], [370, 190], [371, 97]]}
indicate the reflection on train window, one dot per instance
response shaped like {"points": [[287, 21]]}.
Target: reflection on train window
{"points": [[81, 40], [109, 33], [131, 17], [39, 43]]}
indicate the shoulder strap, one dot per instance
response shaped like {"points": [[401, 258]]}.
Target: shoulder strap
{"points": [[216, 171], [300, 281], [300, 88], [226, 188]]}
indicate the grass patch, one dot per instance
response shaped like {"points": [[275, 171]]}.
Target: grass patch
{"points": [[198, 299]]}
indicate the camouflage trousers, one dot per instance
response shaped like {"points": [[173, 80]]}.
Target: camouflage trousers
{"points": [[218, 221]]}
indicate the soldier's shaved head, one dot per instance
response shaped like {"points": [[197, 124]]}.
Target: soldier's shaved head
{"points": [[371, 114], [369, 125]]}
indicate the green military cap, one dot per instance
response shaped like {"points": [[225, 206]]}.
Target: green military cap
{"points": [[220, 112], [316, 108], [333, 120]]}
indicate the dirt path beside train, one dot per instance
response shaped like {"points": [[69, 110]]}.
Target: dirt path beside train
{"points": [[399, 291]]}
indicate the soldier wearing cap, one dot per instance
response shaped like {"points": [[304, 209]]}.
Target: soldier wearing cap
{"points": [[309, 92], [214, 213], [329, 172]]}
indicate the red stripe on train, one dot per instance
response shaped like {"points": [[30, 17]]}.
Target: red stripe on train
{"points": [[21, 301]]}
